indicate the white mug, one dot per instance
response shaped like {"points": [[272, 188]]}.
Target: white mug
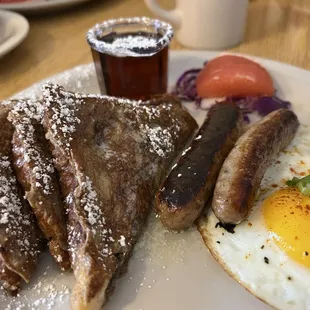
{"points": [[206, 24]]}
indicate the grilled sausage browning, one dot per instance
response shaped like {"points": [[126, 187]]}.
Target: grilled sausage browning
{"points": [[245, 166], [191, 181]]}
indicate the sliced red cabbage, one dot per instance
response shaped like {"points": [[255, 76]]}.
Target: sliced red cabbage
{"points": [[185, 89], [262, 105], [265, 105]]}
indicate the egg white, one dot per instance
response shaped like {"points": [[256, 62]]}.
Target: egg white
{"points": [[283, 283]]}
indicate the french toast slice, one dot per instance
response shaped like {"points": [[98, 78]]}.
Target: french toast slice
{"points": [[19, 235], [111, 154], [35, 171]]}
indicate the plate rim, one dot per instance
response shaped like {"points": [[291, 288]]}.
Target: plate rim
{"points": [[284, 68]]}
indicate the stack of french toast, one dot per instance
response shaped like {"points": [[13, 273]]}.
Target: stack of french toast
{"points": [[78, 173]]}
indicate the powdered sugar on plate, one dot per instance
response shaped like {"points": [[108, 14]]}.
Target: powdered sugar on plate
{"points": [[49, 289], [77, 80]]}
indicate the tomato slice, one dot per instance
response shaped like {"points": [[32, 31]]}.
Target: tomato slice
{"points": [[230, 75]]}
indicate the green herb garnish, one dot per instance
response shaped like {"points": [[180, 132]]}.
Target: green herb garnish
{"points": [[302, 184], [293, 182]]}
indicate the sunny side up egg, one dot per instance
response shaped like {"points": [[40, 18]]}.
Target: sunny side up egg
{"points": [[287, 217], [269, 253]]}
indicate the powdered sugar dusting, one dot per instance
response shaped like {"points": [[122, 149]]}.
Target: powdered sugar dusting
{"points": [[24, 116], [93, 211], [96, 223], [160, 244], [13, 221], [124, 47], [122, 241], [77, 79], [64, 117], [160, 139], [130, 42], [50, 290]]}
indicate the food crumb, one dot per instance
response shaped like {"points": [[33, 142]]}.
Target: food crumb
{"points": [[266, 260], [228, 227], [293, 170]]}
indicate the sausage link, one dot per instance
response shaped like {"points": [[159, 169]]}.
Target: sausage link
{"points": [[245, 166], [190, 183]]}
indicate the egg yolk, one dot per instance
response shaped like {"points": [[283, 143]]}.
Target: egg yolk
{"points": [[287, 216]]}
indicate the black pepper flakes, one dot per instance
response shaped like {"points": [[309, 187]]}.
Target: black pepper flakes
{"points": [[218, 242], [262, 246], [266, 260], [289, 278], [306, 253]]}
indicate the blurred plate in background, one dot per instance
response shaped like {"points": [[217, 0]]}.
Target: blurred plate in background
{"points": [[13, 30], [36, 6]]}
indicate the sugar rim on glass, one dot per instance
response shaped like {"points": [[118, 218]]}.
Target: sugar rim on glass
{"points": [[123, 51]]}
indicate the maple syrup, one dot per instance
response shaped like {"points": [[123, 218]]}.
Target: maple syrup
{"points": [[131, 64]]}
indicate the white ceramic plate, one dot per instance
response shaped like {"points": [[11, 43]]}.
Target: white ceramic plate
{"points": [[13, 30], [37, 6], [168, 271]]}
